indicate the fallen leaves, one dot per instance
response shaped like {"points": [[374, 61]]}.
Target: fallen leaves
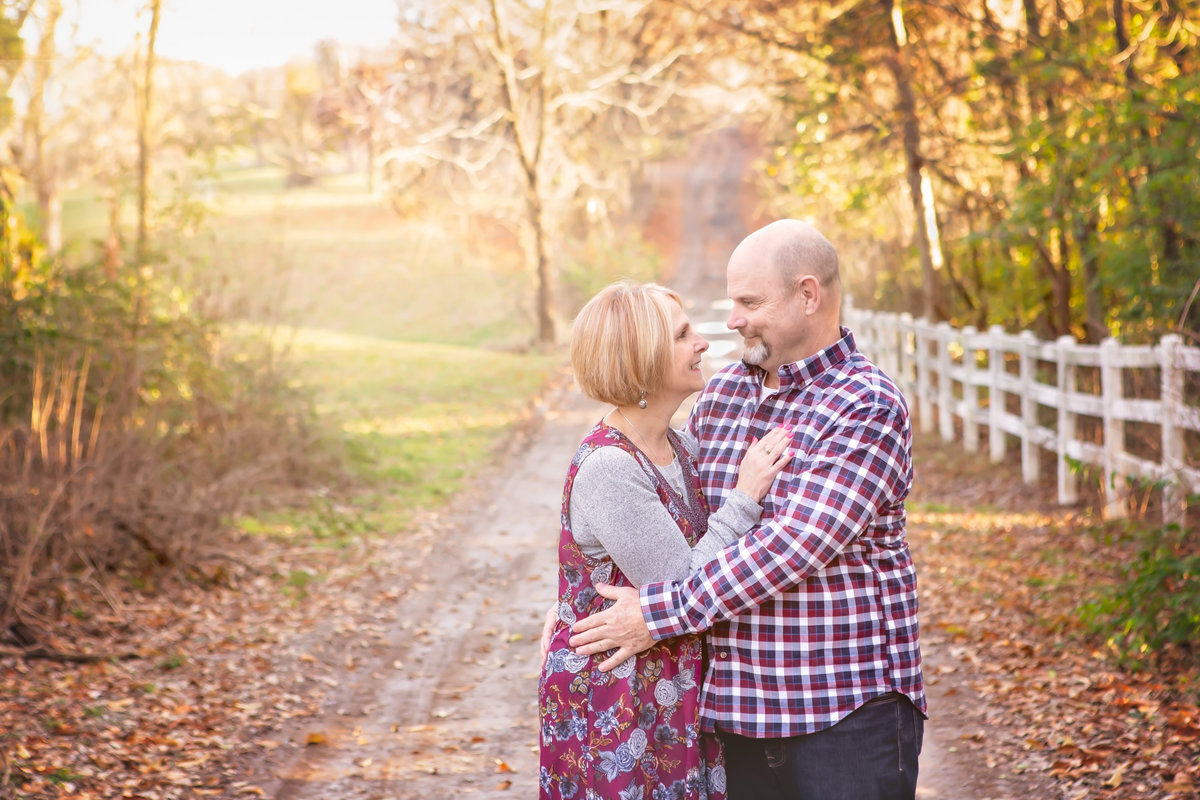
{"points": [[178, 721], [1002, 571]]}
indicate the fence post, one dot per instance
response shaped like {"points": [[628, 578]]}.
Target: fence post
{"points": [[997, 442], [1029, 449], [970, 391], [905, 360], [1115, 501], [1174, 495], [893, 347], [924, 401], [945, 334], [1068, 479]]}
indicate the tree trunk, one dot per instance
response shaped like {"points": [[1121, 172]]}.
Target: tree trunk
{"points": [[49, 202], [112, 243], [371, 157], [1095, 326], [529, 154], [919, 186], [143, 131], [1173, 270], [41, 172]]}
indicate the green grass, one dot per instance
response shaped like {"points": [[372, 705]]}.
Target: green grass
{"points": [[410, 336], [418, 419], [333, 257]]}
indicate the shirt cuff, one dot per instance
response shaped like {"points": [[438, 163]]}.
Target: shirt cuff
{"points": [[660, 603]]}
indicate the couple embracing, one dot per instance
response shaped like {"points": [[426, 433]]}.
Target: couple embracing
{"points": [[737, 610]]}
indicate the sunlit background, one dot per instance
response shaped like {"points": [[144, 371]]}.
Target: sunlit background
{"points": [[279, 278], [234, 35]]}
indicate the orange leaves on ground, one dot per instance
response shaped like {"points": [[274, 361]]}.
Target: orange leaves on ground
{"points": [[1002, 572]]}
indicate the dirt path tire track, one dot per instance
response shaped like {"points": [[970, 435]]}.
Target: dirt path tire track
{"points": [[446, 706]]}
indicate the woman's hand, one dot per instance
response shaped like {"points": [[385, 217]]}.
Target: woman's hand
{"points": [[548, 624], [763, 461]]}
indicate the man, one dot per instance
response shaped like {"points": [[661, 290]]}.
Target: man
{"points": [[814, 682]]}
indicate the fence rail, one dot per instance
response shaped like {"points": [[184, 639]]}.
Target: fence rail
{"points": [[1062, 396]]}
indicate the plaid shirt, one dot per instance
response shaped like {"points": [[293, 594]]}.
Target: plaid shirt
{"points": [[813, 612]]}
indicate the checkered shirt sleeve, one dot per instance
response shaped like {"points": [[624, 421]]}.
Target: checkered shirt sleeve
{"points": [[814, 611]]}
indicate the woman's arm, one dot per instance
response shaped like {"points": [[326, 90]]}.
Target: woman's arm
{"points": [[616, 511]]}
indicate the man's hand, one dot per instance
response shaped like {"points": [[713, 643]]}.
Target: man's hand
{"points": [[620, 626]]}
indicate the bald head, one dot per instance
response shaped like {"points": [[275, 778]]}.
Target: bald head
{"points": [[794, 249], [784, 284]]}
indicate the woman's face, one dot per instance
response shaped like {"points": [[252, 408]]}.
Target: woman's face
{"points": [[685, 376]]}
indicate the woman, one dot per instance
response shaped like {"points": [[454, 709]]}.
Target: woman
{"points": [[633, 513]]}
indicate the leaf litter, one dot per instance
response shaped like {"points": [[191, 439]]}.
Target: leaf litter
{"points": [[221, 669]]}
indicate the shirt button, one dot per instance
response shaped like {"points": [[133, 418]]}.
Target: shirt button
{"points": [[723, 654]]}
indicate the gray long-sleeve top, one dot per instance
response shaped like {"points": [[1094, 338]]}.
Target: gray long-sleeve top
{"points": [[615, 511]]}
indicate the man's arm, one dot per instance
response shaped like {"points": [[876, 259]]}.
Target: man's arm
{"points": [[860, 467]]}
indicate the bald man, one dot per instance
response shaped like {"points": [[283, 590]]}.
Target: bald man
{"points": [[814, 678]]}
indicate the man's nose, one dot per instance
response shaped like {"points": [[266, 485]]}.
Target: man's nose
{"points": [[735, 321]]}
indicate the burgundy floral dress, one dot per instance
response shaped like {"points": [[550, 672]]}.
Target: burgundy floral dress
{"points": [[632, 733]]}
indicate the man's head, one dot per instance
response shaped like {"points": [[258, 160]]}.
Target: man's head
{"points": [[784, 283]]}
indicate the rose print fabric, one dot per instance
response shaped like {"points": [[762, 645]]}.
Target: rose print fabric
{"points": [[632, 733]]}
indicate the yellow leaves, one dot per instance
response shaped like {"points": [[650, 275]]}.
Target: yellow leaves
{"points": [[314, 738], [1181, 782], [1118, 776]]}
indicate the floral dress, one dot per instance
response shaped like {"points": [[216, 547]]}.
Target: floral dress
{"points": [[632, 733]]}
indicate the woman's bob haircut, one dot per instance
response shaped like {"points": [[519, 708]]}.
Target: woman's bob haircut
{"points": [[621, 342]]}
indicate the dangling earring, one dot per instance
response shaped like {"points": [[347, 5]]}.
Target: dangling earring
{"points": [[642, 399]]}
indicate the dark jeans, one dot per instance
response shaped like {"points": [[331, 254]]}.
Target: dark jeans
{"points": [[869, 755]]}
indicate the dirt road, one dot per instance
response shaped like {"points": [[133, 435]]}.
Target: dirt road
{"points": [[439, 698]]}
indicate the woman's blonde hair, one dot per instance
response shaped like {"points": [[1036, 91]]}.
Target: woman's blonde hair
{"points": [[621, 341]]}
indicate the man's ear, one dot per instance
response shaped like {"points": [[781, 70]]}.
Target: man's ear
{"points": [[808, 291]]}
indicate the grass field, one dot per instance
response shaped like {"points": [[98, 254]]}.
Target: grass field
{"points": [[411, 336], [412, 345]]}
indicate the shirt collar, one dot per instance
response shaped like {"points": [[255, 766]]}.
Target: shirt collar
{"points": [[801, 373]]}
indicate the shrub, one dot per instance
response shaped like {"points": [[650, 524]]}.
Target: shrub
{"points": [[1155, 609], [129, 429]]}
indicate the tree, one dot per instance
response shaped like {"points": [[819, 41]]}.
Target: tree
{"points": [[145, 95], [557, 99], [12, 56], [36, 162], [919, 185], [1058, 182]]}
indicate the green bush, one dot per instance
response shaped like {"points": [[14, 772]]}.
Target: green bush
{"points": [[1155, 608]]}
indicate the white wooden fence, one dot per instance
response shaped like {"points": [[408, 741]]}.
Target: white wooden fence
{"points": [[948, 374]]}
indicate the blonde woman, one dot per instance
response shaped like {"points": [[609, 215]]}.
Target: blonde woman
{"points": [[633, 513]]}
